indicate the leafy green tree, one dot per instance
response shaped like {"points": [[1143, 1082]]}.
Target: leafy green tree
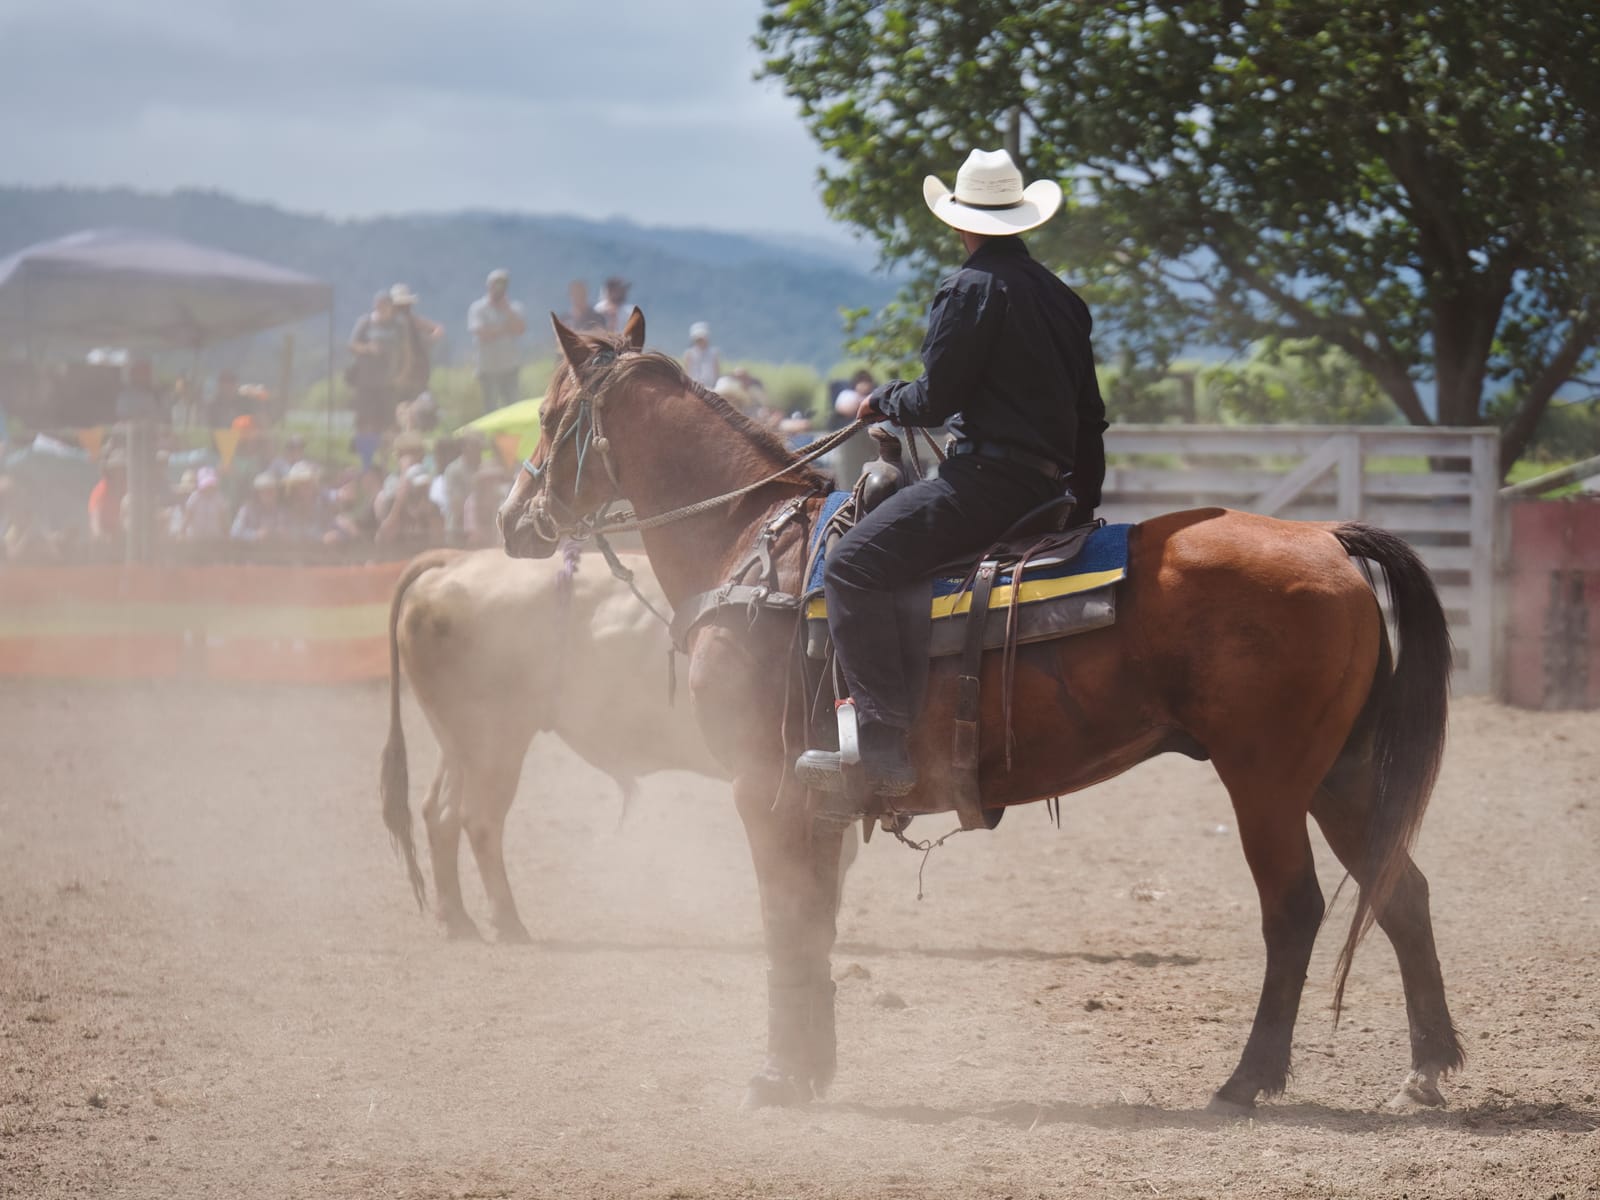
{"points": [[1296, 383], [1414, 184]]}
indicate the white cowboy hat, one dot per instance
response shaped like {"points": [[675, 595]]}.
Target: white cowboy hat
{"points": [[402, 295], [989, 197]]}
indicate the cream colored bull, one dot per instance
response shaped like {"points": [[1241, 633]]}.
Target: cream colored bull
{"points": [[497, 650]]}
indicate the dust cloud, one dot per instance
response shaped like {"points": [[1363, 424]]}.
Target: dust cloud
{"points": [[213, 981]]}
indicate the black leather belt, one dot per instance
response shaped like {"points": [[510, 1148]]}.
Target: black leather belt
{"points": [[1005, 453]]}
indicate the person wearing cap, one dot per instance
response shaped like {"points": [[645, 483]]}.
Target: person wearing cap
{"points": [[304, 516], [1009, 367], [413, 519], [204, 517], [497, 325], [701, 361], [414, 358], [260, 518]]}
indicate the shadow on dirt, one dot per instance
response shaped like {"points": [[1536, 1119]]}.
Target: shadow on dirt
{"points": [[1495, 1118], [1137, 958]]}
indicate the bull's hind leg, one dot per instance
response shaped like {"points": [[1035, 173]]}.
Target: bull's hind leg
{"points": [[1272, 828], [442, 815], [1341, 808], [492, 786]]}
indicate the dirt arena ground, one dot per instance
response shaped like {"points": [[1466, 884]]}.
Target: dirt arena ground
{"points": [[213, 983]]}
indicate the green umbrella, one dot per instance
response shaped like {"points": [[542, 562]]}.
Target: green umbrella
{"points": [[521, 419]]}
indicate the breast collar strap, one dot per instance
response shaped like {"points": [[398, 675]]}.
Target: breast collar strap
{"points": [[737, 596]]}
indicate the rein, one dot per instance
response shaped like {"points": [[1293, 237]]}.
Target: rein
{"points": [[626, 522], [586, 415]]}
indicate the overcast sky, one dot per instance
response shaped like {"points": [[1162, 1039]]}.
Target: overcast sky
{"points": [[640, 108]]}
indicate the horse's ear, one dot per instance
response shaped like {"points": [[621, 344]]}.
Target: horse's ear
{"points": [[634, 329], [572, 347]]}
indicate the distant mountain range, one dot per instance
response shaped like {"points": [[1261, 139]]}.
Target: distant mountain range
{"points": [[766, 297]]}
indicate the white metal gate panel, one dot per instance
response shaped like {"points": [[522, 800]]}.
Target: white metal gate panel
{"points": [[1435, 487]]}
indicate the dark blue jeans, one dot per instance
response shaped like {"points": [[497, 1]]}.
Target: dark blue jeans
{"points": [[880, 640]]}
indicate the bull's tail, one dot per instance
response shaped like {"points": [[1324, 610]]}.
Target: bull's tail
{"points": [[394, 780], [1412, 705]]}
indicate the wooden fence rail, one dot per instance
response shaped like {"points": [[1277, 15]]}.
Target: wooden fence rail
{"points": [[1435, 487]]}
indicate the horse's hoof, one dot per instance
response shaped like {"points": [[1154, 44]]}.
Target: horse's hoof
{"points": [[772, 1089], [461, 929], [1418, 1091], [513, 935], [1221, 1106]]}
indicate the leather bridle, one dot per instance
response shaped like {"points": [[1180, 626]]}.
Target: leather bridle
{"points": [[583, 426]]}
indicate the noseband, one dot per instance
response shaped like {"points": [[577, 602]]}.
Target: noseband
{"points": [[583, 428]]}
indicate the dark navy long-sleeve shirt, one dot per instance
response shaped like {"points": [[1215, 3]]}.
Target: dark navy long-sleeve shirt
{"points": [[1008, 359]]}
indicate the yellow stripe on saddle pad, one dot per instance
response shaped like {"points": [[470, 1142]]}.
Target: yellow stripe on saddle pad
{"points": [[1032, 590]]}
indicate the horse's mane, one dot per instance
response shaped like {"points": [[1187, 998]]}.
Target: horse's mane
{"points": [[645, 367]]}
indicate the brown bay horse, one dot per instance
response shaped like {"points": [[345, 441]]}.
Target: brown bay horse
{"points": [[1253, 642]]}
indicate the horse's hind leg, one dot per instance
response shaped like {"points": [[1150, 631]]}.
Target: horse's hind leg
{"points": [[1341, 808], [493, 788], [442, 815], [1272, 829]]}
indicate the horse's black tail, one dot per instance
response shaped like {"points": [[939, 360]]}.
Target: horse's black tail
{"points": [[1409, 706], [394, 779]]}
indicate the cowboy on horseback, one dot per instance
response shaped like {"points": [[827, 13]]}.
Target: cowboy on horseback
{"points": [[1009, 368]]}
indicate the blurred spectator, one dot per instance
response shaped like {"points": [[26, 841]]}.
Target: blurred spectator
{"points": [[848, 402], [412, 518], [497, 325], [259, 518], [249, 459], [613, 307], [409, 451], [172, 515], [754, 389], [445, 452], [303, 516], [375, 342], [105, 501], [580, 316], [223, 406], [419, 416], [294, 453], [455, 485], [701, 361], [27, 538], [734, 392], [183, 406], [489, 487], [417, 337], [205, 512], [353, 518], [849, 458]]}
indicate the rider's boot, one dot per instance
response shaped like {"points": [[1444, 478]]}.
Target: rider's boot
{"points": [[886, 760], [884, 766]]}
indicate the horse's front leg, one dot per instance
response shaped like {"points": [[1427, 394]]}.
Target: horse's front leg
{"points": [[797, 869]]}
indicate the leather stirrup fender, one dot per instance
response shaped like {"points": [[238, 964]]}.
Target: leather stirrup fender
{"points": [[964, 756]]}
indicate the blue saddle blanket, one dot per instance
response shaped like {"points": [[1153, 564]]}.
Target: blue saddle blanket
{"points": [[1102, 561]]}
